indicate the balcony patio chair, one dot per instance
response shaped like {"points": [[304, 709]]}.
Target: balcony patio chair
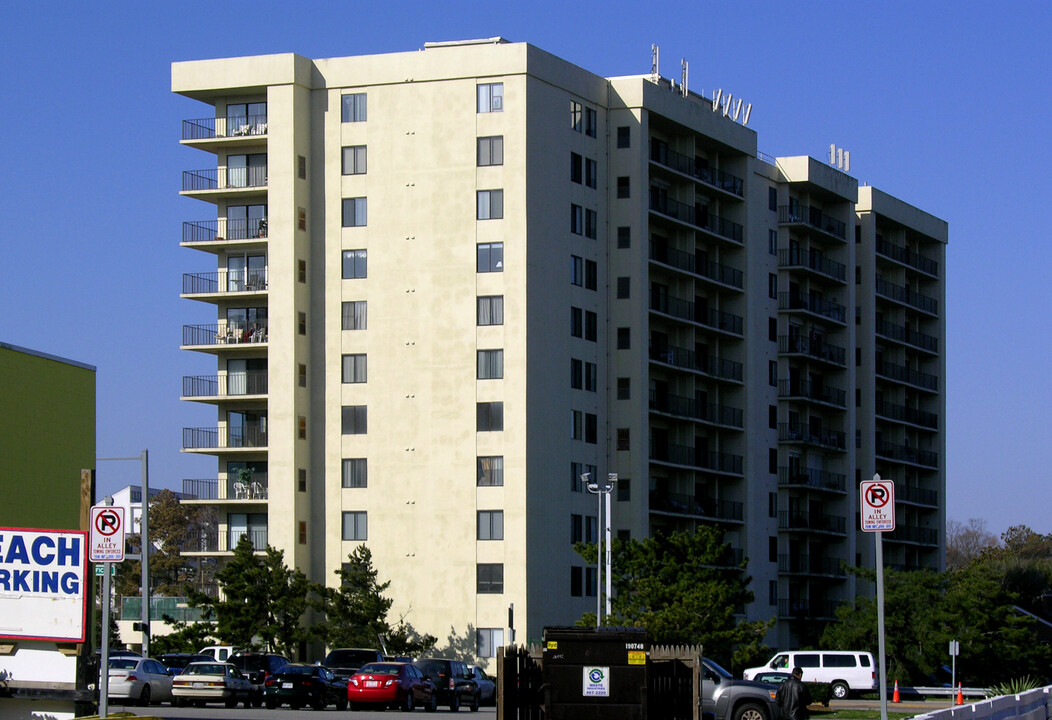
{"points": [[259, 490], [240, 490]]}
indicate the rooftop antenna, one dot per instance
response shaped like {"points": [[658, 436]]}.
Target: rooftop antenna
{"points": [[655, 52], [839, 158], [684, 67]]}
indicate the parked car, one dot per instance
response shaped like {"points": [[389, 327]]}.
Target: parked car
{"points": [[218, 652], [772, 677], [392, 684], [454, 684], [205, 682], [728, 699], [138, 679], [344, 662], [487, 686], [175, 662], [845, 671], [297, 685], [257, 667]]}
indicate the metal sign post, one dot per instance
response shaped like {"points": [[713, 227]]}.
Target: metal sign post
{"points": [[877, 503], [104, 666]]}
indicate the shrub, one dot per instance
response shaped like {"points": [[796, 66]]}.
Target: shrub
{"points": [[820, 692]]}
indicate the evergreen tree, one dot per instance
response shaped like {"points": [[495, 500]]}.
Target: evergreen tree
{"points": [[353, 614]]}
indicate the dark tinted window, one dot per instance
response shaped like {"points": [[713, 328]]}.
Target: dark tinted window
{"points": [[863, 660], [345, 658], [807, 660], [839, 661]]}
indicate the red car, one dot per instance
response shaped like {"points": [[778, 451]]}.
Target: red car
{"points": [[393, 684]]}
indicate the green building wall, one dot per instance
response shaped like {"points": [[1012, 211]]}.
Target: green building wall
{"points": [[47, 436]]}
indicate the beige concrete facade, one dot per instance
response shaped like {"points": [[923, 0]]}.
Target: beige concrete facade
{"points": [[643, 301]]}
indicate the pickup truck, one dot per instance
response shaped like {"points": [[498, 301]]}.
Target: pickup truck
{"points": [[725, 698]]}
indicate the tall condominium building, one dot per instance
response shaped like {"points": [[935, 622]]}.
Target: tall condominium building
{"points": [[449, 283]]}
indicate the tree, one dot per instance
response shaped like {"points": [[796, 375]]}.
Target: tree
{"points": [[682, 589], [355, 612], [186, 637], [965, 543]]}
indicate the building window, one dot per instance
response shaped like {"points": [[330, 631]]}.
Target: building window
{"points": [[490, 471], [576, 425], [490, 364], [302, 532], [490, 151], [490, 204], [591, 428], [576, 271], [772, 548], [576, 168], [624, 237], [575, 581], [301, 479], [354, 107], [624, 388], [302, 375], [624, 490], [491, 310], [355, 472], [624, 439], [489, 416], [576, 374], [623, 187], [354, 420], [591, 172], [576, 116], [772, 242], [591, 224], [591, 325], [772, 417], [772, 329], [590, 122], [354, 315], [490, 578], [624, 338], [590, 275], [772, 461], [355, 264], [354, 160], [487, 641], [772, 592], [301, 323], [491, 97], [354, 212], [491, 257], [772, 504], [591, 375], [301, 218], [301, 268], [590, 582], [301, 427], [624, 137], [301, 167], [576, 219], [623, 288], [576, 322], [772, 373], [354, 368], [576, 528], [490, 524], [772, 198], [772, 286], [355, 526], [246, 170]]}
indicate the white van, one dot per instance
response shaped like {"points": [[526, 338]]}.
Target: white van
{"points": [[846, 671], [218, 652]]}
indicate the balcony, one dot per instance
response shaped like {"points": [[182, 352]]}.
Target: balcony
{"points": [[689, 262], [903, 414], [691, 312], [801, 433], [697, 216], [706, 364], [201, 541], [224, 282], [910, 534], [686, 455], [258, 537], [691, 408], [789, 258], [220, 387], [711, 508], [224, 230], [812, 347], [812, 217], [906, 454], [816, 392], [224, 336], [903, 374], [247, 436], [811, 479], [907, 336], [213, 128], [660, 154], [916, 495], [907, 257], [807, 609], [224, 180], [905, 296], [810, 565], [812, 522], [814, 305], [257, 488]]}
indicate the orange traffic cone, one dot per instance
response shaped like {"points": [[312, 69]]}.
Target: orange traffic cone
{"points": [[960, 695], [895, 695]]}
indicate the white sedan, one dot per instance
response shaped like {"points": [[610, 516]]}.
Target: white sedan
{"points": [[203, 682], [140, 680]]}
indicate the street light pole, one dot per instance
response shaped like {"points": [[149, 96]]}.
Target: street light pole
{"points": [[601, 559]]}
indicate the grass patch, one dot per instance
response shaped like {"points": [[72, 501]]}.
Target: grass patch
{"points": [[847, 714]]}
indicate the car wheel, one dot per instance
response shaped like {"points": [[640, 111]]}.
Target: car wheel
{"points": [[475, 702], [144, 696], [750, 711], [454, 703], [432, 704], [841, 690], [407, 704], [271, 704], [231, 702]]}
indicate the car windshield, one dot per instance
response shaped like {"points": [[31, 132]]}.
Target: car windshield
{"points": [[205, 669], [123, 663], [379, 669], [249, 662], [719, 670], [298, 670], [343, 658]]}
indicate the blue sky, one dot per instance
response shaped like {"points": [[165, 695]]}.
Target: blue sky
{"points": [[945, 105]]}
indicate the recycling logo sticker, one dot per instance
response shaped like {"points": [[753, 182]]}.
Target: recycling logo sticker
{"points": [[596, 682]]}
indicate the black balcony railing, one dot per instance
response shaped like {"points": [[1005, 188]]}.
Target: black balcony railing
{"points": [[202, 231], [906, 296], [258, 536], [690, 360], [688, 310], [909, 533], [255, 487], [673, 160], [819, 392], [802, 433], [689, 456], [215, 179], [698, 216], [907, 257], [694, 409], [249, 435], [251, 382], [902, 413], [816, 305], [201, 489], [812, 347], [907, 454], [901, 373], [807, 609], [224, 334], [812, 260], [222, 127], [225, 281], [811, 478], [689, 262], [819, 522], [810, 565], [920, 496], [206, 540], [697, 506], [805, 215], [907, 335]]}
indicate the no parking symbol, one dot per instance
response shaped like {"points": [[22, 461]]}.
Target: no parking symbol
{"points": [[107, 534], [877, 505]]}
